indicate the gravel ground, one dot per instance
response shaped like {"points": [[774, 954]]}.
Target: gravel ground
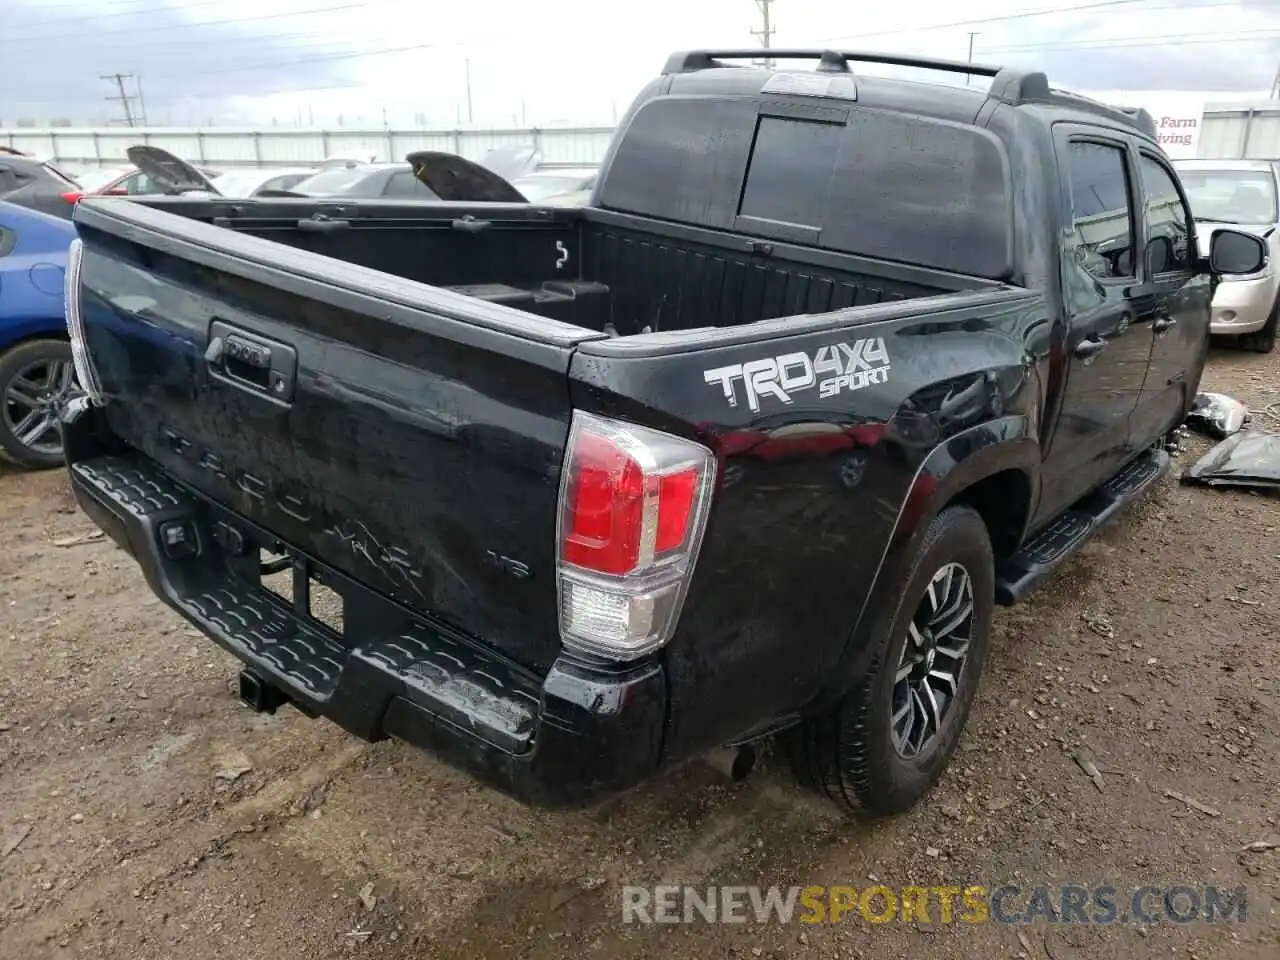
{"points": [[145, 814]]}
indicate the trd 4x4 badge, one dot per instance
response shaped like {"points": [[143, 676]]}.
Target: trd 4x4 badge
{"points": [[835, 367]]}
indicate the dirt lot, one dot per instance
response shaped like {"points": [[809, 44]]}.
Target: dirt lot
{"points": [[154, 817]]}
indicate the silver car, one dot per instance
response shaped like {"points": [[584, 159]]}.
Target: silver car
{"points": [[1243, 194]]}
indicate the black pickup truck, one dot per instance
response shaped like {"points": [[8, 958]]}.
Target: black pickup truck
{"points": [[751, 445]]}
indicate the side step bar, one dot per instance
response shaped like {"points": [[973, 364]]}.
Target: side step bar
{"points": [[1059, 541]]}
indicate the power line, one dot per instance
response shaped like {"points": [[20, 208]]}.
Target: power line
{"points": [[1171, 40], [1122, 43], [1021, 15], [234, 21]]}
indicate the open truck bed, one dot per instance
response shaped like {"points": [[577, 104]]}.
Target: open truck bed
{"points": [[594, 268]]}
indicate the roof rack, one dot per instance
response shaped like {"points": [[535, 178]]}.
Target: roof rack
{"points": [[1136, 116], [1007, 84]]}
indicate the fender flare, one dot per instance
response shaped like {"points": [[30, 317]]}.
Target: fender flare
{"points": [[953, 466]]}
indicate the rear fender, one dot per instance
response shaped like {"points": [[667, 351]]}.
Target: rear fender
{"points": [[953, 467]]}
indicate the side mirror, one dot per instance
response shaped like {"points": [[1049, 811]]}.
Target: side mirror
{"points": [[1236, 252]]}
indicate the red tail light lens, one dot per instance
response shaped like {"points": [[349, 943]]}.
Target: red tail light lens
{"points": [[71, 196], [633, 506]]}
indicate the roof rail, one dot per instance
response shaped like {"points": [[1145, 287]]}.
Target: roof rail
{"points": [[1009, 85], [1136, 116], [1141, 118]]}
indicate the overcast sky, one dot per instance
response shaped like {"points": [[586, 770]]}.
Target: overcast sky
{"points": [[574, 61]]}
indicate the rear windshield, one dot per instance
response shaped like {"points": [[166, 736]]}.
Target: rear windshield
{"points": [[331, 181], [892, 186]]}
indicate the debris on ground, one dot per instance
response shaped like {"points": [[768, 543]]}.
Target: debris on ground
{"points": [[79, 540], [232, 767], [1085, 763], [1217, 415], [1250, 458], [1262, 846], [367, 897], [1193, 803], [1100, 625], [13, 840]]}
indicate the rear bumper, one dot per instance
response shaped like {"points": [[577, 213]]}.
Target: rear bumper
{"points": [[1242, 306], [567, 738]]}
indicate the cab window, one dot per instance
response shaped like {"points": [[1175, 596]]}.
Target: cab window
{"points": [[1102, 223]]}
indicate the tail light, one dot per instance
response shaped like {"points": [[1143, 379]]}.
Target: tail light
{"points": [[71, 196], [633, 508], [86, 374]]}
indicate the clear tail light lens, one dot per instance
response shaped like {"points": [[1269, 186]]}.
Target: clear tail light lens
{"points": [[86, 374], [633, 508]]}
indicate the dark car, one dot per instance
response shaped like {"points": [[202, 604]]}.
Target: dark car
{"points": [[37, 184], [752, 444], [426, 175]]}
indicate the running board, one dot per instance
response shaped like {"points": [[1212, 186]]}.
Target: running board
{"points": [[1059, 541]]}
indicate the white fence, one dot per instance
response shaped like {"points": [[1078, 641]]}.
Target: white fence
{"points": [[1245, 132], [226, 147]]}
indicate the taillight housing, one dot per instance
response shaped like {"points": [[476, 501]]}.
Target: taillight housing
{"points": [[86, 373], [632, 511], [71, 196]]}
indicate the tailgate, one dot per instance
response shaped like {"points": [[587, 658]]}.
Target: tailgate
{"points": [[409, 437]]}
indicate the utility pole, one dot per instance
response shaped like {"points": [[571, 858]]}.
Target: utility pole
{"points": [[470, 118], [124, 99], [968, 76], [766, 31]]}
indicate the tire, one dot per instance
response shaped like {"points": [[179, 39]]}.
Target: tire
{"points": [[31, 358], [1264, 340], [849, 752]]}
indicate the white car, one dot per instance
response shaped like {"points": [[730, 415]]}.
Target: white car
{"points": [[1243, 194], [249, 183]]}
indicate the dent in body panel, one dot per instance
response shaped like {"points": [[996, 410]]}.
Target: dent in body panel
{"points": [[810, 493]]}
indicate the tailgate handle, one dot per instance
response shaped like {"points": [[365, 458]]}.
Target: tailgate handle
{"points": [[469, 224], [322, 225], [252, 362]]}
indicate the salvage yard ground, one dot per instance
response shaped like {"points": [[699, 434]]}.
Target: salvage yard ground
{"points": [[146, 815]]}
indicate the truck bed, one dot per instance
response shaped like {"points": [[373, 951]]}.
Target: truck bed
{"points": [[605, 271]]}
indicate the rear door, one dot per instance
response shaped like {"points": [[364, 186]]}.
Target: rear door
{"points": [[1178, 300], [1107, 350]]}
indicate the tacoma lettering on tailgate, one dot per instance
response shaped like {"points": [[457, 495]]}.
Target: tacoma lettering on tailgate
{"points": [[835, 367]]}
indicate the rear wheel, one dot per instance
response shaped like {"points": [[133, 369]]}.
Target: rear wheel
{"points": [[36, 378], [882, 747], [1264, 340]]}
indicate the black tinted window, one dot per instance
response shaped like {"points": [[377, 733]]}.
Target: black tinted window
{"points": [[790, 172], [886, 185], [1101, 217], [683, 160], [921, 191], [1167, 248]]}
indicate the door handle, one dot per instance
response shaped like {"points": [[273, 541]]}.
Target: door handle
{"points": [[1090, 347], [1163, 323]]}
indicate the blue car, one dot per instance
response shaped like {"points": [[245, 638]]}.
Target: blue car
{"points": [[36, 372]]}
